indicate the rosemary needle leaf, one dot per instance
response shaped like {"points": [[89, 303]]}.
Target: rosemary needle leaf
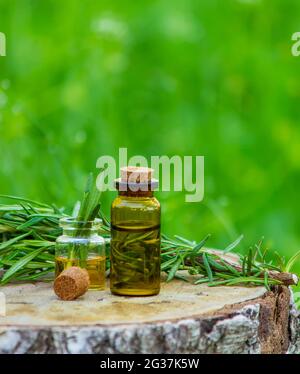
{"points": [[75, 212], [56, 210], [104, 219], [34, 276], [85, 201], [20, 264], [291, 261], [233, 245], [174, 269], [207, 267], [280, 261], [251, 280], [27, 211], [230, 268], [36, 203], [216, 265], [33, 221], [258, 247], [200, 244], [266, 280], [201, 280], [249, 262], [183, 240], [244, 260], [14, 240], [168, 263], [90, 206]]}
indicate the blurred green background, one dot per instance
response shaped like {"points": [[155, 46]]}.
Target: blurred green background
{"points": [[160, 77]]}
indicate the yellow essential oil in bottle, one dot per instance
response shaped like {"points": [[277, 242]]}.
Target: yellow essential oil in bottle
{"points": [[80, 245], [95, 267], [135, 235]]}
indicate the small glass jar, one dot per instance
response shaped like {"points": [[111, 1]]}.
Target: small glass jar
{"points": [[80, 245], [135, 242]]}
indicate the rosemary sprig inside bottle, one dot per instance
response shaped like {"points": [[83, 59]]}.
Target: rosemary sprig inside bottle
{"points": [[80, 245], [88, 212]]}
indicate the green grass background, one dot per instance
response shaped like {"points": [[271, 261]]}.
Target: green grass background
{"points": [[160, 77]]}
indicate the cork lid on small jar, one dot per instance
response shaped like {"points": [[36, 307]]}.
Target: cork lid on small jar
{"points": [[136, 174], [136, 178]]}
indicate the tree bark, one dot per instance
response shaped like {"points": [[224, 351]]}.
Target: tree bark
{"points": [[184, 318]]}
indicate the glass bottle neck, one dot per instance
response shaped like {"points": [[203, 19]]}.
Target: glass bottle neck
{"points": [[72, 227], [80, 233], [136, 194], [136, 190]]}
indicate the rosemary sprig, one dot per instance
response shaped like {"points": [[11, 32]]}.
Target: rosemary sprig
{"points": [[90, 206], [28, 231], [88, 210], [219, 267]]}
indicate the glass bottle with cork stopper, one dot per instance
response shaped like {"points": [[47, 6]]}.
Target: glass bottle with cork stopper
{"points": [[135, 234]]}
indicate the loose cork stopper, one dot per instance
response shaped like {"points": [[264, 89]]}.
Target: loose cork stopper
{"points": [[72, 283], [135, 174]]}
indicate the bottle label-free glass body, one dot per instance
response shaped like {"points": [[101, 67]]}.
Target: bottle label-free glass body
{"points": [[135, 235], [135, 259], [80, 245]]}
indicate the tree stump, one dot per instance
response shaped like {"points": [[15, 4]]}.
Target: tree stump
{"points": [[184, 318]]}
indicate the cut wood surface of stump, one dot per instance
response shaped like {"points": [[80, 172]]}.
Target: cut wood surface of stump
{"points": [[183, 318]]}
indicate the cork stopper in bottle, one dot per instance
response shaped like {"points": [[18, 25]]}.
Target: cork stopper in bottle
{"points": [[135, 174], [72, 283]]}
